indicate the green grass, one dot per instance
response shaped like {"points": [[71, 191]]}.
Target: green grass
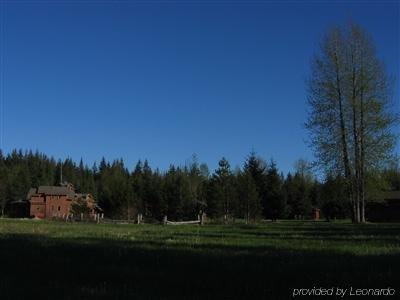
{"points": [[89, 261]]}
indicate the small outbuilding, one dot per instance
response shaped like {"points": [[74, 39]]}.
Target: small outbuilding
{"points": [[17, 208], [315, 214], [387, 210]]}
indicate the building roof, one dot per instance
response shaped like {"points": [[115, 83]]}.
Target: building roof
{"points": [[54, 190], [392, 195], [51, 190], [20, 201]]}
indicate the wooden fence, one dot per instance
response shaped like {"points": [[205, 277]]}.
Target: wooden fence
{"points": [[200, 221], [99, 218]]}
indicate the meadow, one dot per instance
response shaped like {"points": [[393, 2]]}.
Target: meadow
{"points": [[55, 260]]}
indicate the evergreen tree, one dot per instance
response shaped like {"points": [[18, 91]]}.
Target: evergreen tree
{"points": [[182, 193], [3, 183], [301, 191], [136, 181], [249, 200], [224, 190], [301, 206], [334, 198], [18, 182], [275, 206], [256, 167]]}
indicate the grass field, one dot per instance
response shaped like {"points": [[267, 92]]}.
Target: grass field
{"points": [[89, 261]]}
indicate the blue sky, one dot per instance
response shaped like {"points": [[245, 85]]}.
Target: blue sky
{"points": [[126, 79]]}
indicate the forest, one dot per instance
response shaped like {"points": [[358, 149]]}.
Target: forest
{"points": [[257, 190]]}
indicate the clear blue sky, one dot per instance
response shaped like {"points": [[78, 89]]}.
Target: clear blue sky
{"points": [[164, 81]]}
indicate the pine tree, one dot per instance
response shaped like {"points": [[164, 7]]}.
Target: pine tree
{"points": [[3, 183], [276, 205], [249, 200], [256, 167], [136, 181], [334, 198], [224, 190]]}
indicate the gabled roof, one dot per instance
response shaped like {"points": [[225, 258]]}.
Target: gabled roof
{"points": [[54, 190], [51, 190]]}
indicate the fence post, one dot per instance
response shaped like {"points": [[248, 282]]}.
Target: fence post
{"points": [[81, 216], [165, 220]]}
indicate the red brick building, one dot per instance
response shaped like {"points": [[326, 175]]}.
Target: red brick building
{"points": [[48, 202]]}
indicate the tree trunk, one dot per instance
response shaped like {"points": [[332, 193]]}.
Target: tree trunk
{"points": [[362, 153], [363, 210], [358, 212], [356, 179], [346, 163], [247, 213]]}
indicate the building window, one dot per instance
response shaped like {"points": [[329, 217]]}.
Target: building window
{"points": [[59, 208]]}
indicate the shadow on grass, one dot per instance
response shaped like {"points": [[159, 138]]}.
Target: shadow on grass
{"points": [[384, 234], [53, 268], [316, 237]]}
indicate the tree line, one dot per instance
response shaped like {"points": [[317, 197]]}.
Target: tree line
{"points": [[257, 190]]}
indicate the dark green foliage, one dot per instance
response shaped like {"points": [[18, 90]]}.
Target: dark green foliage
{"points": [[211, 191], [3, 184], [256, 167], [136, 183], [391, 177], [79, 208], [173, 193], [249, 207], [301, 191], [223, 198], [301, 201], [334, 203], [275, 206], [256, 191], [114, 191]]}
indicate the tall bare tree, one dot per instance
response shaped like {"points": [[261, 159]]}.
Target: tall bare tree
{"points": [[351, 117]]}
